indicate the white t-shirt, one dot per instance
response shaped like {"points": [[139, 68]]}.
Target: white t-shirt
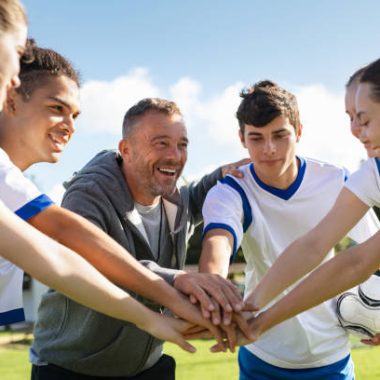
{"points": [[21, 196], [365, 182], [264, 221]]}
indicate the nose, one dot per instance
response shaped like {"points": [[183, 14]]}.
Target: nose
{"points": [[269, 147], [70, 124], [355, 127]]}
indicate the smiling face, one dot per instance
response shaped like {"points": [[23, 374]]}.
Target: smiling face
{"points": [[272, 151], [43, 124], [12, 45], [368, 114], [154, 155]]}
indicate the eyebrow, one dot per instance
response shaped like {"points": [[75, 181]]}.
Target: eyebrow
{"points": [[184, 139], [65, 104], [254, 133]]}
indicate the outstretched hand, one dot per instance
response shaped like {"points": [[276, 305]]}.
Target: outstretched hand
{"points": [[375, 341], [206, 288]]}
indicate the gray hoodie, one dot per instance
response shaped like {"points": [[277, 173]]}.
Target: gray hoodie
{"points": [[79, 339]]}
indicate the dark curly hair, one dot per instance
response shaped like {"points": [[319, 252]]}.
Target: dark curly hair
{"points": [[38, 65]]}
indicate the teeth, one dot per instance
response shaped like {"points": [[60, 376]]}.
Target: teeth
{"points": [[166, 170], [58, 139]]}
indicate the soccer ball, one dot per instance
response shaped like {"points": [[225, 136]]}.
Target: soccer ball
{"points": [[359, 312]]}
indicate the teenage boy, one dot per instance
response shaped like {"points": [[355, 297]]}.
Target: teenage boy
{"points": [[35, 125], [281, 197]]}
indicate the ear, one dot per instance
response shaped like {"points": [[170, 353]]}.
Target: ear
{"points": [[125, 149], [242, 140], [299, 132], [10, 102]]}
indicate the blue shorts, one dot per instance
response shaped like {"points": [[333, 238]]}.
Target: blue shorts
{"points": [[253, 368]]}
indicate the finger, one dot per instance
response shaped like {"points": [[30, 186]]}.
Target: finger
{"points": [[243, 325], [193, 300], [230, 295], [217, 333], [201, 296], [219, 295], [235, 172], [184, 344], [195, 329], [216, 314], [231, 336], [205, 334], [227, 318], [217, 348], [206, 314]]}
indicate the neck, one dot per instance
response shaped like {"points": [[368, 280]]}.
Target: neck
{"points": [[139, 193], [285, 180]]}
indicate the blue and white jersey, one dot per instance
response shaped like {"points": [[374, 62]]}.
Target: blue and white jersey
{"points": [[264, 221], [365, 182], [21, 196]]}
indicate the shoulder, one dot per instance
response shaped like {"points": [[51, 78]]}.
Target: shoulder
{"points": [[320, 167]]}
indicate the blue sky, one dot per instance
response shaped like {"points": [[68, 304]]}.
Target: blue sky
{"points": [[201, 53]]}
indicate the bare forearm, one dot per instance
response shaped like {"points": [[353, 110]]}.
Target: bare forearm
{"points": [[216, 252], [348, 269], [104, 253], [63, 270]]}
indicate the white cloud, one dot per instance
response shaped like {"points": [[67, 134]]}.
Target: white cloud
{"points": [[326, 133], [211, 122], [105, 103]]}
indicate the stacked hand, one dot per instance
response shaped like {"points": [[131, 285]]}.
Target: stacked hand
{"points": [[220, 302]]}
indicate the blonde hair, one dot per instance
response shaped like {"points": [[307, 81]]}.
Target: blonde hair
{"points": [[12, 14]]}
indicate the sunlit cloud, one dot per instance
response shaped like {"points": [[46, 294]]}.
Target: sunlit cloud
{"points": [[211, 120]]}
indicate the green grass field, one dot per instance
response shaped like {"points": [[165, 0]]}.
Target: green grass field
{"points": [[14, 363]]}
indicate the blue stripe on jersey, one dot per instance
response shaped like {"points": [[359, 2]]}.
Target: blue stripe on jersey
{"points": [[12, 316], [247, 211], [253, 368], [290, 191], [377, 160], [213, 226], [34, 207]]}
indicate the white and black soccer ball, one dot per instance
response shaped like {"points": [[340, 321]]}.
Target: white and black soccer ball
{"points": [[359, 312]]}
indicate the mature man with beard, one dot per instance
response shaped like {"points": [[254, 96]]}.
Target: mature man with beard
{"points": [[132, 195]]}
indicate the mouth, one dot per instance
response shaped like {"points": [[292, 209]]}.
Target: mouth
{"points": [[270, 162], [169, 172], [59, 140]]}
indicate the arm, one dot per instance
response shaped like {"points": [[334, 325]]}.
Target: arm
{"points": [[113, 261], [216, 252], [306, 253], [356, 264], [60, 268]]}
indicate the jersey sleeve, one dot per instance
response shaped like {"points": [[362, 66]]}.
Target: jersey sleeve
{"points": [[223, 209], [19, 193], [364, 183]]}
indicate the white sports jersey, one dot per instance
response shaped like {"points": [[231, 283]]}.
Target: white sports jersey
{"points": [[21, 196], [264, 221], [365, 183]]}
